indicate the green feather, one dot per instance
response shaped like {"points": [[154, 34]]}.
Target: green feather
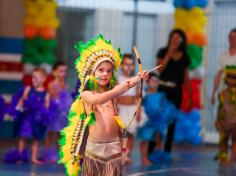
{"points": [[92, 118], [71, 114], [95, 86], [112, 82], [82, 116], [90, 82]]}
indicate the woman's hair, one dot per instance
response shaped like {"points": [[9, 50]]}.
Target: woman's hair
{"points": [[183, 44]]}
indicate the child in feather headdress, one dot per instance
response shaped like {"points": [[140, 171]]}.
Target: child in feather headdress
{"points": [[226, 117], [94, 129]]}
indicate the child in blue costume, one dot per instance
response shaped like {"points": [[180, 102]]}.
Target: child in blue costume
{"points": [[157, 122], [33, 119]]}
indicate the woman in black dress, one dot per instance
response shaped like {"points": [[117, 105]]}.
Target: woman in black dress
{"points": [[173, 74]]}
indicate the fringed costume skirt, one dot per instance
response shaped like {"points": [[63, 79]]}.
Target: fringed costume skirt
{"points": [[102, 158]]}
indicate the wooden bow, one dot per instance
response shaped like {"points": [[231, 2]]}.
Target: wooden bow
{"points": [[140, 69]]}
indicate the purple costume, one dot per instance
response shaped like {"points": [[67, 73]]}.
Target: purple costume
{"points": [[31, 123], [59, 107]]}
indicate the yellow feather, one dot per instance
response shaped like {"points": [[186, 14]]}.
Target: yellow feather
{"points": [[120, 122]]}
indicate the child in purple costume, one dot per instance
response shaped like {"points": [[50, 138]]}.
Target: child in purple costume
{"points": [[32, 119]]}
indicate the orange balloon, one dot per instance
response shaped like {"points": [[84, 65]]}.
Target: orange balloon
{"points": [[200, 39], [189, 37], [47, 32], [30, 31]]}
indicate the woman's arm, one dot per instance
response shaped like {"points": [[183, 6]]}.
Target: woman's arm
{"points": [[163, 62]]}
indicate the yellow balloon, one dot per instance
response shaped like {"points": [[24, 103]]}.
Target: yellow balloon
{"points": [[29, 21], [54, 23], [197, 11], [179, 13], [39, 22]]}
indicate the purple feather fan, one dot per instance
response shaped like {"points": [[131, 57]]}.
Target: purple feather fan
{"points": [[14, 101]]}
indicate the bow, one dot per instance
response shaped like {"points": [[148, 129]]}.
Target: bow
{"points": [[140, 68]]}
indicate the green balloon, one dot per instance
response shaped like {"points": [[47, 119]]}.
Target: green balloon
{"points": [[38, 59], [50, 44], [38, 42], [29, 43], [26, 59], [49, 57], [39, 51], [30, 51], [196, 54]]}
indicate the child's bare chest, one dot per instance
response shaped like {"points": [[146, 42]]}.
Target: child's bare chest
{"points": [[105, 108]]}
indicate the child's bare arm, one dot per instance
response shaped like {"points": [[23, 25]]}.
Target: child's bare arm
{"points": [[23, 97], [47, 100], [92, 98], [95, 98]]}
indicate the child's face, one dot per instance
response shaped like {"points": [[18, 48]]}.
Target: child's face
{"points": [[152, 82], [60, 72], [127, 65], [232, 39], [38, 79], [230, 81], [103, 73]]}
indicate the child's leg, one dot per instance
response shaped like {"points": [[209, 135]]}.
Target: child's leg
{"points": [[158, 140], [49, 139], [144, 153], [21, 145], [130, 142], [233, 147], [223, 147], [35, 147]]}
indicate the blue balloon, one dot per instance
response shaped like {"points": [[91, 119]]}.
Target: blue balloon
{"points": [[194, 115], [197, 140], [202, 3], [197, 128], [178, 3], [179, 136], [189, 4]]}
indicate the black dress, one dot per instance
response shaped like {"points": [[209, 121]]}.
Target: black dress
{"points": [[173, 72]]}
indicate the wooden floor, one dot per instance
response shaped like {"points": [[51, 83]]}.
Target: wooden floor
{"points": [[187, 161]]}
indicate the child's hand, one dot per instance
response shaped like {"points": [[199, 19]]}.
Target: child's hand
{"points": [[20, 103], [138, 116], [143, 75]]}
